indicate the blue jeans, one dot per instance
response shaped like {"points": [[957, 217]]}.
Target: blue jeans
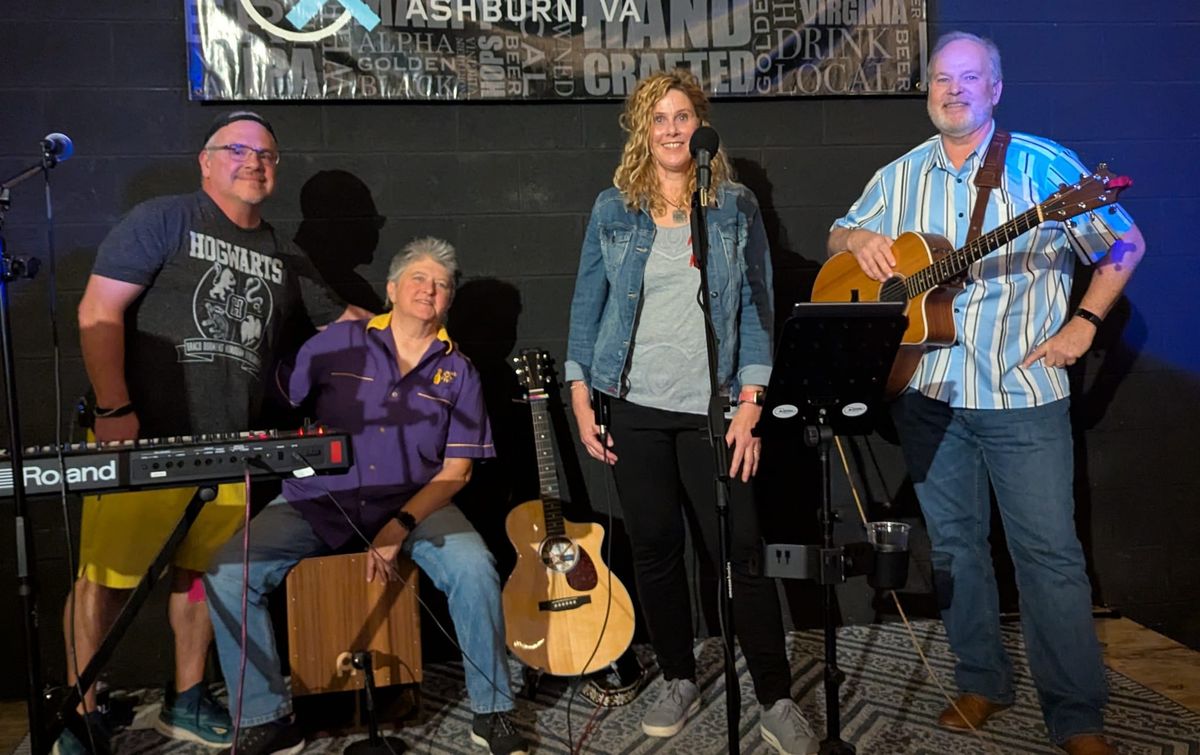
{"points": [[1027, 456], [444, 546]]}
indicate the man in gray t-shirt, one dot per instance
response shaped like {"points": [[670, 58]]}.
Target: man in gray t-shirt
{"points": [[178, 325]]}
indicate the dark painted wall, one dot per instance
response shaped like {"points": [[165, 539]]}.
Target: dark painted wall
{"points": [[511, 185]]}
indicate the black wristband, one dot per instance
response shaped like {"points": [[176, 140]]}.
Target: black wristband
{"points": [[120, 411], [1090, 316], [406, 520]]}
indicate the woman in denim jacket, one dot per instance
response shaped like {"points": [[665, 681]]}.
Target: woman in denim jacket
{"points": [[637, 335]]}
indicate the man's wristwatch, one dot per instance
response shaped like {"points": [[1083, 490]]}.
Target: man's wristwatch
{"points": [[406, 520]]}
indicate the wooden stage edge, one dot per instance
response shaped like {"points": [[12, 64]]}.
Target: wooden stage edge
{"points": [[1163, 665]]}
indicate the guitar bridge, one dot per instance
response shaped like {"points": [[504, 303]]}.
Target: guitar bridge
{"points": [[564, 604]]}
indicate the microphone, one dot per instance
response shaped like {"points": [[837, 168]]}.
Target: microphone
{"points": [[600, 410], [58, 146], [703, 146]]}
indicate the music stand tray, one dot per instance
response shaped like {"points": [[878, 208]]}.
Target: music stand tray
{"points": [[831, 367]]}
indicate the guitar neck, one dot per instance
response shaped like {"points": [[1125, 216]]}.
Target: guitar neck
{"points": [[957, 262], [543, 441]]}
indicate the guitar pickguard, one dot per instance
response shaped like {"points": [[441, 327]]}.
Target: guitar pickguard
{"points": [[583, 576]]}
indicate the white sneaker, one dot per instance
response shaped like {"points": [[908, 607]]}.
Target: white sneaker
{"points": [[678, 701], [786, 729]]}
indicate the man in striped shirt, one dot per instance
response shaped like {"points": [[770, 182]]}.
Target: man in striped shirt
{"points": [[994, 406]]}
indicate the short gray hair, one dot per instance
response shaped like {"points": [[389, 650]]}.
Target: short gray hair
{"points": [[993, 52], [428, 247]]}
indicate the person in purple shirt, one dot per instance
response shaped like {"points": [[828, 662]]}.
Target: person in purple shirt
{"points": [[412, 405]]}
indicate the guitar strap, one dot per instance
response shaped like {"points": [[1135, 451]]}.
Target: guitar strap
{"points": [[988, 177]]}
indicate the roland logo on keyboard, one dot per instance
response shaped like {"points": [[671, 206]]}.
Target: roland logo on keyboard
{"points": [[44, 476]]}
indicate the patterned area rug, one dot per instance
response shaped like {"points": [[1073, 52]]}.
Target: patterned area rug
{"points": [[888, 705]]}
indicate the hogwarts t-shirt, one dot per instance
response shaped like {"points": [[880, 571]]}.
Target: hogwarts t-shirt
{"points": [[201, 339]]}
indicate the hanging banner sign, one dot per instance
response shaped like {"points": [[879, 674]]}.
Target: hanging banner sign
{"points": [[470, 50]]}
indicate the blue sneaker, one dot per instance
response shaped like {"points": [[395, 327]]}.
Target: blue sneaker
{"points": [[194, 716], [68, 744]]}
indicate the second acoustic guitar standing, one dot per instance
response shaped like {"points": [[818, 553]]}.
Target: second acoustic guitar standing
{"points": [[564, 612]]}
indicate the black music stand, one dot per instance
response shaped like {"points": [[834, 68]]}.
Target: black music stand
{"points": [[830, 371]]}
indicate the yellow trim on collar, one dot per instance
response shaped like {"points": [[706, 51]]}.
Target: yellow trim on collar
{"points": [[384, 321]]}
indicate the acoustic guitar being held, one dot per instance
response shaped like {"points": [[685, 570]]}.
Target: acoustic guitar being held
{"points": [[927, 266], [564, 612]]}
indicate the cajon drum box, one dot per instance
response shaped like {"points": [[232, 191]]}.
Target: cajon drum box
{"points": [[332, 612]]}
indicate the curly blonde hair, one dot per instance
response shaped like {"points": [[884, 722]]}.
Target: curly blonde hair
{"points": [[636, 177]]}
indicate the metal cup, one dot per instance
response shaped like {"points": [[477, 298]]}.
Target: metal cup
{"points": [[890, 541]]}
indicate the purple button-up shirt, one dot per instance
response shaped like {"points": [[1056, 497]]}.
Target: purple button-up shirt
{"points": [[401, 427]]}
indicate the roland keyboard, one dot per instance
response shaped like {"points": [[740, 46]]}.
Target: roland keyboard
{"points": [[181, 461]]}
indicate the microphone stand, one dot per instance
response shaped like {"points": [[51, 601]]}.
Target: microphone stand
{"points": [[12, 268], [716, 433]]}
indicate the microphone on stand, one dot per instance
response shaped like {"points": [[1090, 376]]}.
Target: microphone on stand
{"points": [[59, 146], [704, 144], [56, 147]]}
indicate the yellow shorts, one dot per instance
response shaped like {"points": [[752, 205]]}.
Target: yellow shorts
{"points": [[123, 532]]}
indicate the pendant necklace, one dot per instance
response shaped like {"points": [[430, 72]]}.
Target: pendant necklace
{"points": [[678, 214]]}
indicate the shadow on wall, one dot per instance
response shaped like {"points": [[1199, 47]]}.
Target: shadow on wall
{"points": [[1115, 349], [794, 273], [483, 322], [340, 233]]}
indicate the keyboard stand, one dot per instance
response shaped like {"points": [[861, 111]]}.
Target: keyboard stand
{"points": [[67, 717]]}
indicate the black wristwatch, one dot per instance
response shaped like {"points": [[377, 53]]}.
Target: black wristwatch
{"points": [[406, 520]]}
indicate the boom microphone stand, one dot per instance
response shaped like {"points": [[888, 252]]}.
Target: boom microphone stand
{"points": [[703, 145], [55, 147]]}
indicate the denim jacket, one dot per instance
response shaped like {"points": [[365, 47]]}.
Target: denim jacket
{"points": [[608, 290]]}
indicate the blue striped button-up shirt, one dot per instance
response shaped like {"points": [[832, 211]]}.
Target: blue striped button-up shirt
{"points": [[1016, 296]]}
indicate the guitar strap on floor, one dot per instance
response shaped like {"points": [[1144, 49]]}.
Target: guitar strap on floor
{"points": [[988, 177]]}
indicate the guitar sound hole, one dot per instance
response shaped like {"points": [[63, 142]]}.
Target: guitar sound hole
{"points": [[893, 289], [559, 554]]}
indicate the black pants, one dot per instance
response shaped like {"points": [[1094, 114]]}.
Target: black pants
{"points": [[665, 463]]}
